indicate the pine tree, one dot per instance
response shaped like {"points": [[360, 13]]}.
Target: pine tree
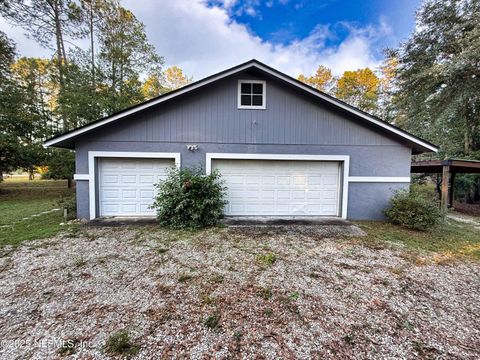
{"points": [[438, 90]]}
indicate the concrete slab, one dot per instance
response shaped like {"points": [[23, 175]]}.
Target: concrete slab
{"points": [[122, 221], [270, 221]]}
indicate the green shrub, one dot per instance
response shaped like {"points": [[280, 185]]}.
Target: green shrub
{"points": [[69, 203], [189, 199], [417, 208], [121, 344], [212, 321]]}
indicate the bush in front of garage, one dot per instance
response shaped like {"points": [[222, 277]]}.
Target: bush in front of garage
{"points": [[189, 199], [415, 208]]}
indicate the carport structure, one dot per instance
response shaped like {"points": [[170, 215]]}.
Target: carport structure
{"points": [[448, 168]]}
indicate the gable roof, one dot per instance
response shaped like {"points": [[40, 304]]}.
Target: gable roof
{"points": [[419, 145]]}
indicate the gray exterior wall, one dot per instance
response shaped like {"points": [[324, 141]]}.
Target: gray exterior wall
{"points": [[293, 123]]}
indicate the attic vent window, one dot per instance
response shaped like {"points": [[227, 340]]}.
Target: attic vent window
{"points": [[251, 94]]}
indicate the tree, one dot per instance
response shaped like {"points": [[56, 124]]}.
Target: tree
{"points": [[174, 78], [45, 21], [359, 88], [60, 165], [438, 95], [19, 114], [153, 87], [322, 80], [387, 87], [125, 53]]}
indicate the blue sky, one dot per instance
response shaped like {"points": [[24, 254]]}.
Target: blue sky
{"points": [[295, 36], [284, 21]]}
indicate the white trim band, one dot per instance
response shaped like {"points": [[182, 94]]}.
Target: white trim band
{"points": [[81, 177], [379, 179], [344, 159]]}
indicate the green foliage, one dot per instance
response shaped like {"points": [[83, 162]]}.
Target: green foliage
{"points": [[212, 321], [438, 78], [184, 277], [189, 199], [267, 259], [19, 119], [61, 164], [416, 208], [69, 203], [120, 343], [466, 187]]}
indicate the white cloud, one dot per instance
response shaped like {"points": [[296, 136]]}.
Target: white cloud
{"points": [[203, 40]]}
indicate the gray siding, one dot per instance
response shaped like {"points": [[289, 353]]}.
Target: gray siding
{"points": [[211, 116], [291, 124]]}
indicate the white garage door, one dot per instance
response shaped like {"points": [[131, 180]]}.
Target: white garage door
{"points": [[289, 188], [126, 186]]}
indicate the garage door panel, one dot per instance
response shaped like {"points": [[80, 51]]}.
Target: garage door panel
{"points": [[330, 179], [129, 194], [127, 186], [129, 179], [270, 187], [329, 194]]}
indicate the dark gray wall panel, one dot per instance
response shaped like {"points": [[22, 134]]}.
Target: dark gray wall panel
{"points": [[82, 199], [367, 201], [364, 160]]}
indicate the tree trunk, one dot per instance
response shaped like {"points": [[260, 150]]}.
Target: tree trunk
{"points": [[69, 182], [92, 45], [31, 175], [468, 130], [58, 38]]}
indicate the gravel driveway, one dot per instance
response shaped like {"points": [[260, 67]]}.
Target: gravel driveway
{"points": [[263, 292]]}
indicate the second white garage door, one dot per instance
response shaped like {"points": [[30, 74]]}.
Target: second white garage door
{"points": [[279, 187], [126, 186]]}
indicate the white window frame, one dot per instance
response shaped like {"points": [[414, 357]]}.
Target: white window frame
{"points": [[92, 166], [264, 95], [344, 168]]}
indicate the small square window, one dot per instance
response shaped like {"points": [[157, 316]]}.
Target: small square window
{"points": [[251, 94]]}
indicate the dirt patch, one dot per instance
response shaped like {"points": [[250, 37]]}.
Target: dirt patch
{"points": [[290, 292]]}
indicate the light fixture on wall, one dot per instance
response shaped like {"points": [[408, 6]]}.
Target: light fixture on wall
{"points": [[192, 148]]}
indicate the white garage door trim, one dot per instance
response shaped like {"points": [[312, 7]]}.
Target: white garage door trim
{"points": [[343, 159], [93, 155]]}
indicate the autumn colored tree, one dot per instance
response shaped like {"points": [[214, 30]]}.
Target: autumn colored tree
{"points": [[322, 80], [359, 88], [174, 78], [387, 88]]}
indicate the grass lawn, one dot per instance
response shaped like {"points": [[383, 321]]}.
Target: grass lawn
{"points": [[22, 198], [450, 240]]}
